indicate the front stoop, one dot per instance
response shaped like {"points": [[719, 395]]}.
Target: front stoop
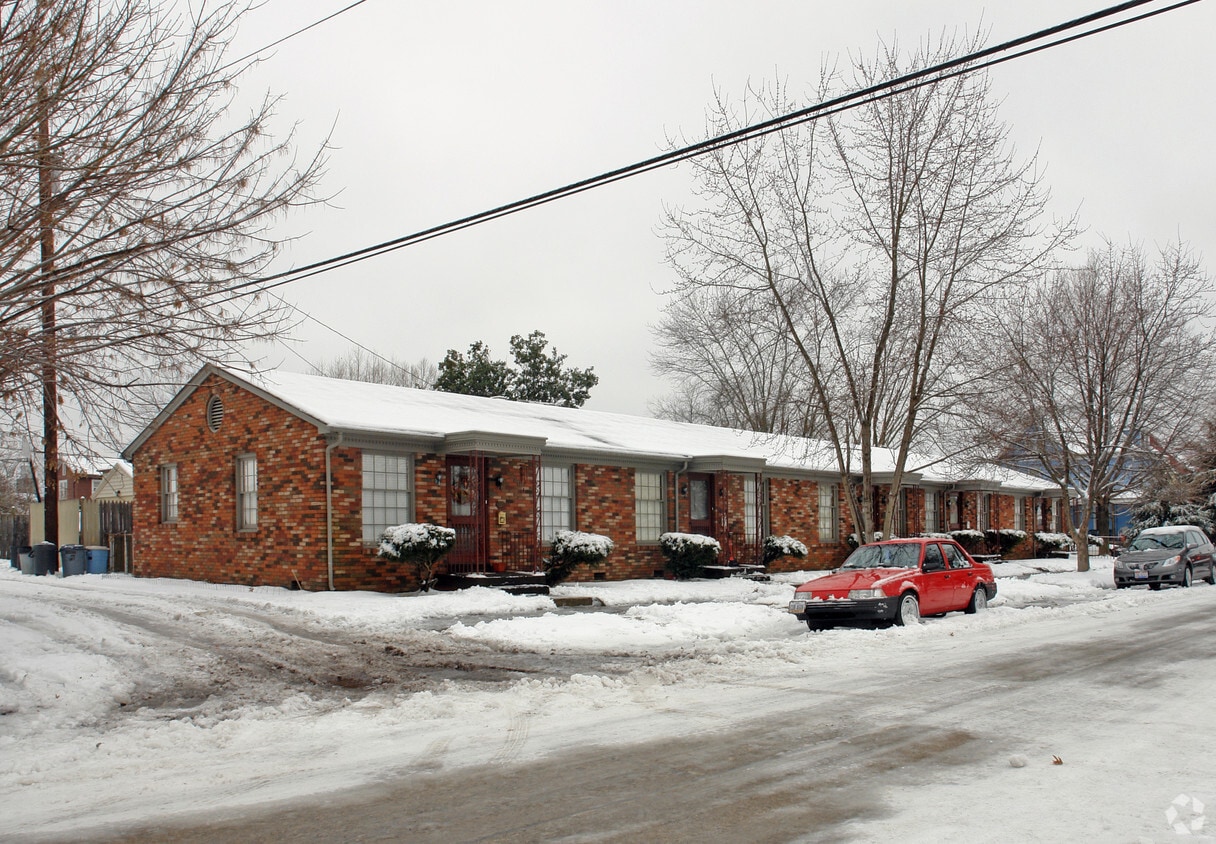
{"points": [[511, 582]]}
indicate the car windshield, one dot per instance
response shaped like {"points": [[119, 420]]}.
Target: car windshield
{"points": [[1156, 541], [904, 556]]}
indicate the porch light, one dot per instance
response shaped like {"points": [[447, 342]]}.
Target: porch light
{"points": [[439, 478], [497, 479]]}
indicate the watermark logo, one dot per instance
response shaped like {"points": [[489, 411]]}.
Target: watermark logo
{"points": [[1185, 815]]}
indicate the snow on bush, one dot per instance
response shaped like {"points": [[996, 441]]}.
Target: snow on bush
{"points": [[1062, 541], [571, 548], [687, 552], [1005, 539], [422, 545], [776, 547]]}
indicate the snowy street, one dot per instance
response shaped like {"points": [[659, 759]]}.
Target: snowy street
{"points": [[154, 709]]}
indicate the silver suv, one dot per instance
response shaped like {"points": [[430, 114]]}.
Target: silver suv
{"points": [[1173, 554]]}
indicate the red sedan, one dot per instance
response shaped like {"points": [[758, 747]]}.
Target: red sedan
{"points": [[896, 582]]}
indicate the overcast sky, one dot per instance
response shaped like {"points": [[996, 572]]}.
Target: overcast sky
{"points": [[443, 109]]}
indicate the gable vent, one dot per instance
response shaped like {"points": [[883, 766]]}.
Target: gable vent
{"points": [[215, 412]]}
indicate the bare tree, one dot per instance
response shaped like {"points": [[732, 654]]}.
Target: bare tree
{"points": [[356, 365], [874, 240], [1109, 371], [132, 198], [731, 365]]}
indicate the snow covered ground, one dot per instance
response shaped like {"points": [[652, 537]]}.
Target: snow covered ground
{"points": [[124, 700]]}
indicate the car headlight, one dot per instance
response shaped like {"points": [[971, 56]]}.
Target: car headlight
{"points": [[866, 594], [1172, 561]]}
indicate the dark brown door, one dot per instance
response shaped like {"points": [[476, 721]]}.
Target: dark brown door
{"points": [[467, 514], [701, 504]]}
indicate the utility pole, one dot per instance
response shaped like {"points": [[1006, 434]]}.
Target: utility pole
{"points": [[50, 369]]}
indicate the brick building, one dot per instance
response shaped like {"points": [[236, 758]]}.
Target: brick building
{"points": [[286, 479]]}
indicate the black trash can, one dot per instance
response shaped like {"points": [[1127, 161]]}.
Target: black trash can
{"points": [[73, 558], [46, 560]]}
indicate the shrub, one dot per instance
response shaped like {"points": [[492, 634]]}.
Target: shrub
{"points": [[972, 540], [1059, 541], [572, 548], [687, 552], [421, 545], [776, 547], [1005, 539]]}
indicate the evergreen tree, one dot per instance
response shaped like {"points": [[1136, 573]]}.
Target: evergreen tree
{"points": [[538, 374]]}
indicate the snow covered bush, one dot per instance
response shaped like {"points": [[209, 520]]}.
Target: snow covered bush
{"points": [[972, 540], [1004, 540], [421, 545], [687, 552], [572, 548], [1059, 541], [776, 547]]}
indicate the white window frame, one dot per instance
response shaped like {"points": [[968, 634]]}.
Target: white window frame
{"points": [[556, 499], [388, 493], [829, 500], [983, 506], [247, 492], [1019, 512], [931, 512], [170, 494], [649, 505]]}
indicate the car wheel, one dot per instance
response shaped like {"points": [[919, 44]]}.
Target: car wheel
{"points": [[1154, 586], [1211, 578], [908, 612], [1122, 585], [1186, 577], [815, 626], [979, 601]]}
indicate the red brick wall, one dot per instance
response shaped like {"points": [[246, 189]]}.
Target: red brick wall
{"points": [[289, 544], [794, 511], [204, 543]]}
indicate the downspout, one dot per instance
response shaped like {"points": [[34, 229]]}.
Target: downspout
{"points": [[329, 511]]}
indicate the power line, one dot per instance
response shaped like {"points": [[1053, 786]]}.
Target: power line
{"points": [[978, 60], [345, 337], [292, 35]]}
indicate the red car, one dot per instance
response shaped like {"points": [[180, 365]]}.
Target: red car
{"points": [[896, 582]]}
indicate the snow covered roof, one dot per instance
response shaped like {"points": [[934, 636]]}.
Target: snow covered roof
{"points": [[380, 409], [449, 422]]}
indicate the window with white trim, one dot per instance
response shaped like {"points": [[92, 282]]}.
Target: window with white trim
{"points": [[387, 493], [247, 492], [983, 505], [829, 513], [168, 493], [556, 501], [1019, 512], [931, 525], [649, 512]]}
